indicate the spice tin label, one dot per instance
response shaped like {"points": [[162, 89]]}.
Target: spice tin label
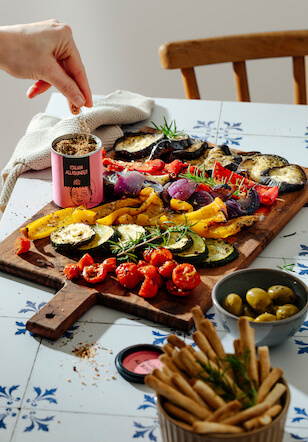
{"points": [[76, 172]]}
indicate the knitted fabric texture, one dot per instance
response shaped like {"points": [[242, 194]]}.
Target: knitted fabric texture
{"points": [[103, 119]]}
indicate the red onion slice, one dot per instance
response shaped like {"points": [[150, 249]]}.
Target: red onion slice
{"points": [[129, 183], [181, 189]]}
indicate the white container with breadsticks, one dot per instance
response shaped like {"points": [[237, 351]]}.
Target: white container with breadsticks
{"points": [[206, 395]]}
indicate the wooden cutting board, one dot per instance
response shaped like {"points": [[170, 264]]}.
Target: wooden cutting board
{"points": [[44, 265]]}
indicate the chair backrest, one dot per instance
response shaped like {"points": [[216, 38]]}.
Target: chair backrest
{"points": [[187, 54]]}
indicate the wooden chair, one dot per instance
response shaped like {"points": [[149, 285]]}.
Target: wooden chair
{"points": [[185, 55]]}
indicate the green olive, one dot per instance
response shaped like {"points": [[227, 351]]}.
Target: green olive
{"points": [[247, 311], [285, 311], [265, 317], [259, 300], [281, 294], [233, 304]]}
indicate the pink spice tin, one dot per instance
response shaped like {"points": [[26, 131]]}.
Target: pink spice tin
{"points": [[77, 179]]}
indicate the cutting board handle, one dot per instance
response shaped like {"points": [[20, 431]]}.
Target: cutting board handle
{"points": [[62, 311]]}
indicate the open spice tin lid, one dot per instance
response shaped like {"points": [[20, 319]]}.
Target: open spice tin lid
{"points": [[135, 362]]}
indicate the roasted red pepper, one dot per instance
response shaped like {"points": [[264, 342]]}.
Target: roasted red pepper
{"points": [[22, 245], [174, 168], [151, 166]]}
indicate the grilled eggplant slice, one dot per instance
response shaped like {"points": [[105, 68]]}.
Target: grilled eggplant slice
{"points": [[254, 166], [222, 155], [288, 178], [137, 145], [71, 236], [191, 153], [220, 252], [100, 242]]}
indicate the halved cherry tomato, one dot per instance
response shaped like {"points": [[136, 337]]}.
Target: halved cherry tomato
{"points": [[158, 280], [22, 245], [110, 264], [166, 268], [148, 289], [148, 271], [177, 291], [71, 271], [186, 277], [142, 263], [159, 256], [85, 260], [147, 254], [128, 274], [94, 273]]}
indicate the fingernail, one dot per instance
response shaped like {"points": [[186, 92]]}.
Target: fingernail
{"points": [[78, 101]]}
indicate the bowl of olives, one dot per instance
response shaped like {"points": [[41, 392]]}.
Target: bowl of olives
{"points": [[275, 302]]}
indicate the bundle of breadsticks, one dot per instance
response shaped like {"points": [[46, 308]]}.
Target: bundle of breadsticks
{"points": [[208, 391]]}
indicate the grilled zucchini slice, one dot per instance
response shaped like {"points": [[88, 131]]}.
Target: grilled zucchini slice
{"points": [[196, 253], [103, 234], [72, 236], [220, 252], [178, 243], [128, 232]]}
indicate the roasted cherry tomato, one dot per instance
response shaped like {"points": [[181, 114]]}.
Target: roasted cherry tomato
{"points": [[71, 271], [166, 269], [148, 289], [110, 264], [186, 277], [159, 256], [147, 255], [158, 280], [85, 260], [142, 263], [148, 271], [176, 291], [128, 274], [94, 273], [22, 245]]}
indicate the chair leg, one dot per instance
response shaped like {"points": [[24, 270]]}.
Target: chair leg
{"points": [[190, 83], [241, 83], [300, 93]]}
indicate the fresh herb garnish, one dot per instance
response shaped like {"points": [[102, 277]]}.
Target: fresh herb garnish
{"points": [[168, 130], [287, 267], [242, 389], [290, 234]]}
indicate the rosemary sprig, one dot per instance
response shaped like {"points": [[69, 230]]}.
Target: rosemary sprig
{"points": [[287, 267], [220, 383], [168, 130]]}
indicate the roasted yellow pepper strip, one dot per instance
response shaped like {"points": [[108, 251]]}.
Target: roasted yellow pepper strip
{"points": [[232, 227], [106, 209], [44, 226], [180, 206], [110, 219]]}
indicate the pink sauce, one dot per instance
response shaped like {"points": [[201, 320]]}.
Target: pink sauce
{"points": [[142, 362]]}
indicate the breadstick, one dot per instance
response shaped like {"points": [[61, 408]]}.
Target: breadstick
{"points": [[247, 341], [187, 389], [268, 382], [214, 427], [264, 359], [168, 349], [208, 328], [209, 395], [275, 394], [198, 315], [247, 414], [237, 347], [175, 397], [176, 341], [177, 360], [224, 411], [179, 413], [166, 360], [159, 374], [257, 422], [189, 361], [204, 345], [274, 410]]}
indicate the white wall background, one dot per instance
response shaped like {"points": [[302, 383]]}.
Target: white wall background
{"points": [[119, 40]]}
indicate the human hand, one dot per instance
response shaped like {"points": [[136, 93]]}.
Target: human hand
{"points": [[46, 52]]}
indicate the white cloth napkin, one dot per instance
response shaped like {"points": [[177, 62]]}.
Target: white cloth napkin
{"points": [[103, 119]]}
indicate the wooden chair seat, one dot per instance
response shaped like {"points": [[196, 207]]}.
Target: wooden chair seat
{"points": [[188, 54]]}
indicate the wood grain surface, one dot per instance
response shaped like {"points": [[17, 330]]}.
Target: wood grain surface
{"points": [[44, 265]]}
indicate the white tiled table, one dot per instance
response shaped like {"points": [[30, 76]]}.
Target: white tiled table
{"points": [[49, 394]]}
